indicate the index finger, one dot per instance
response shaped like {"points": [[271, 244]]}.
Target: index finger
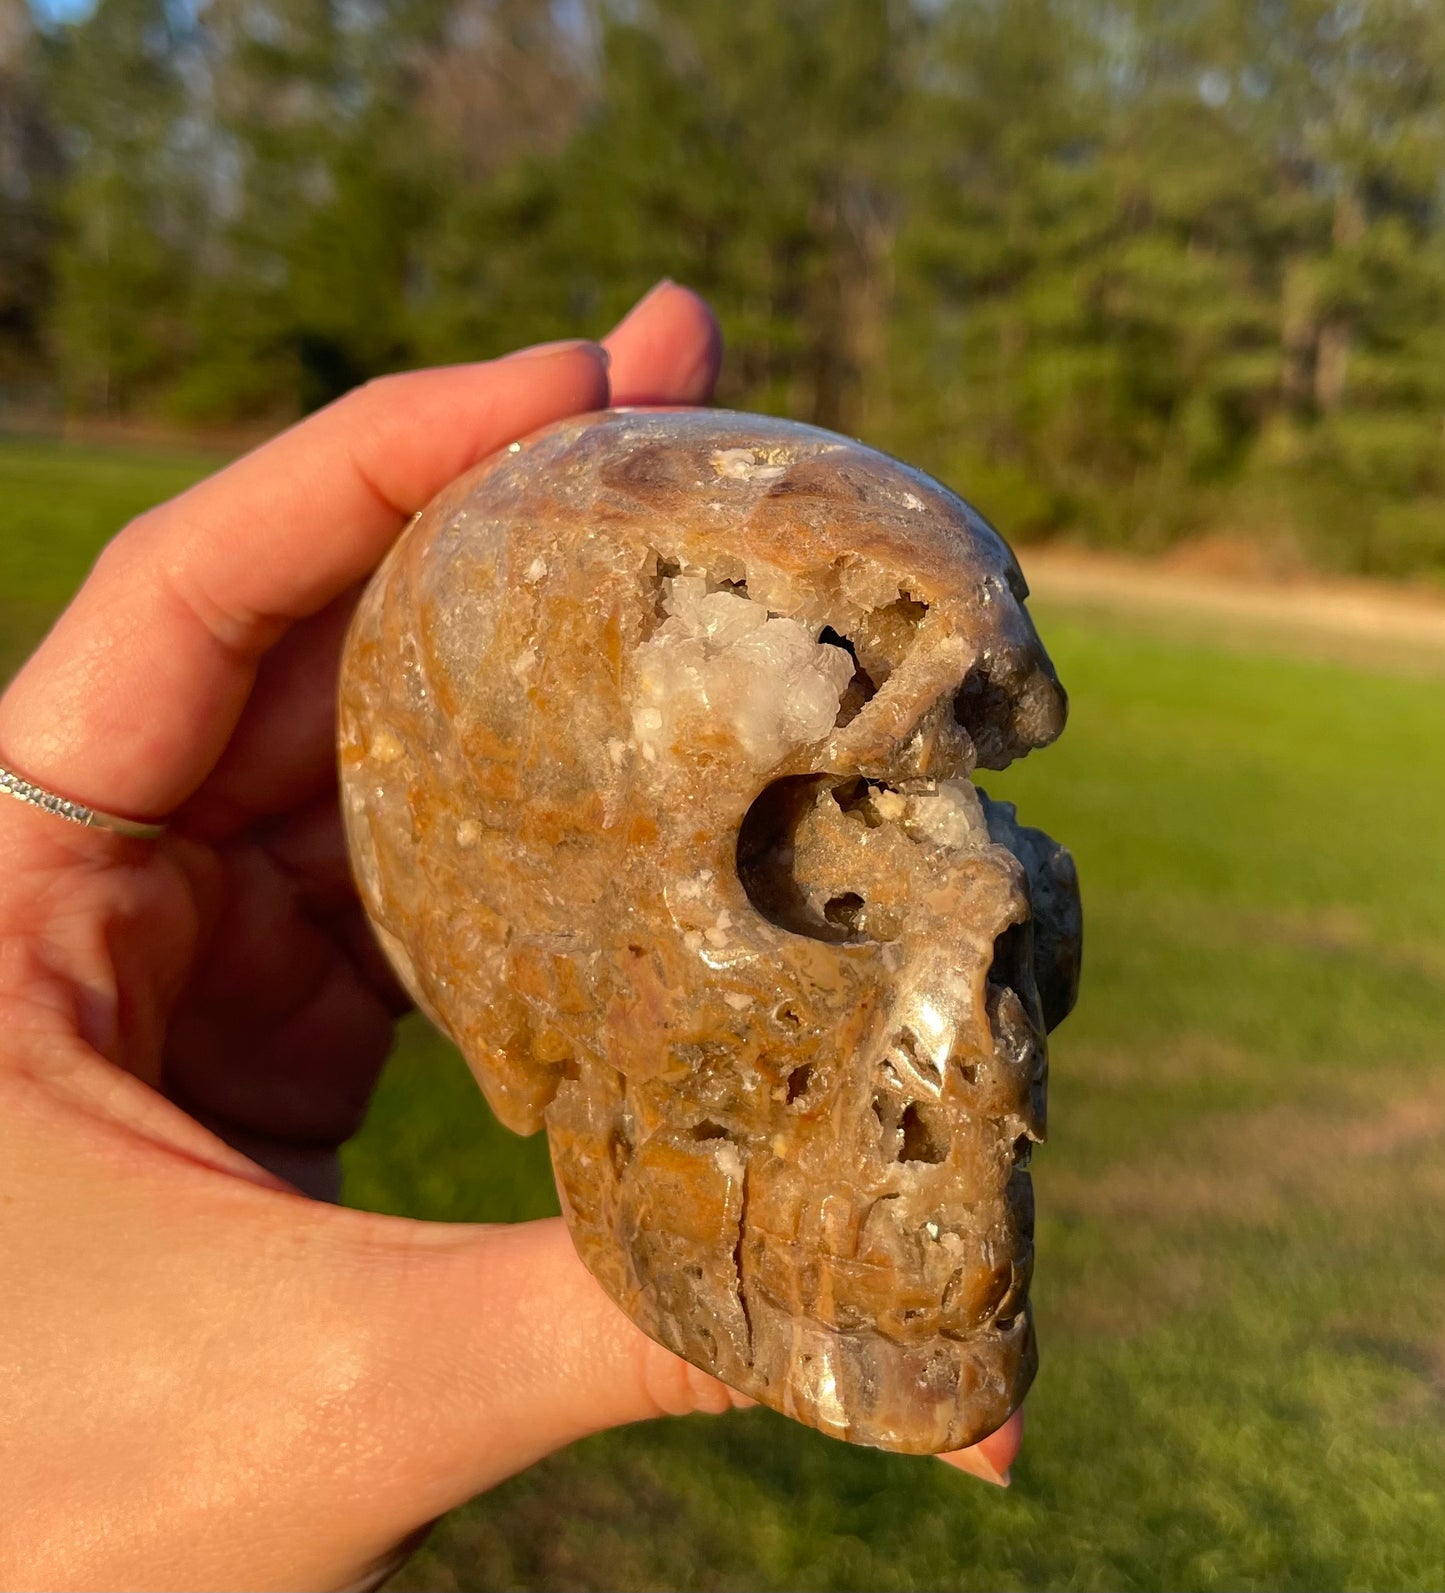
{"points": [[130, 699]]}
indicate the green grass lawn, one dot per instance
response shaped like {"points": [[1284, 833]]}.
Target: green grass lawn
{"points": [[58, 504], [1241, 1247]]}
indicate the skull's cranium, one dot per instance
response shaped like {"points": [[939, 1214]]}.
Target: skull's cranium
{"points": [[656, 738]]}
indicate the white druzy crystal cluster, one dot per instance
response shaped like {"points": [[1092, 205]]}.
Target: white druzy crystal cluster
{"points": [[721, 665]]}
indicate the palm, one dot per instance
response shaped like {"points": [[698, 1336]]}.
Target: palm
{"points": [[285, 1013], [284, 1008]]}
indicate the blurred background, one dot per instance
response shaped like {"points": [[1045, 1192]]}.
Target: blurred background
{"points": [[1164, 280], [1133, 269]]}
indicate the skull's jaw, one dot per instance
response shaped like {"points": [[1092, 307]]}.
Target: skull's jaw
{"points": [[929, 1394], [925, 1398], [821, 1308]]}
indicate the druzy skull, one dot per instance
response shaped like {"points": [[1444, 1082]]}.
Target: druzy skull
{"points": [[657, 736]]}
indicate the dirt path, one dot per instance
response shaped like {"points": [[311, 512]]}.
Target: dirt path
{"points": [[1394, 626]]}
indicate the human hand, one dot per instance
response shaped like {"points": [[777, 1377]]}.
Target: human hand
{"points": [[212, 1379]]}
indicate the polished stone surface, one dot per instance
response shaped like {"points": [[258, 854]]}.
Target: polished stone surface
{"points": [[657, 741]]}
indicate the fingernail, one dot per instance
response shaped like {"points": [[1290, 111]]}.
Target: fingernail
{"points": [[549, 351], [661, 285], [978, 1465]]}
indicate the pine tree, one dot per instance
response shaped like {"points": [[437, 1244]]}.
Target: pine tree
{"points": [[130, 207], [747, 149], [29, 168], [1123, 269]]}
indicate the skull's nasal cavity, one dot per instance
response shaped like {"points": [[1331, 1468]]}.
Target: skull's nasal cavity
{"points": [[984, 708], [911, 1131], [767, 856]]}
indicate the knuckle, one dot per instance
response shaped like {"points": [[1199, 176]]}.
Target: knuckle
{"points": [[378, 394], [133, 541]]}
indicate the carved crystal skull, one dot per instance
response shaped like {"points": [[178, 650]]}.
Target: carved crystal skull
{"points": [[656, 741]]}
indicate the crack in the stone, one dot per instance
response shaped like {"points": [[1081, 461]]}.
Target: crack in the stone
{"points": [[742, 1290]]}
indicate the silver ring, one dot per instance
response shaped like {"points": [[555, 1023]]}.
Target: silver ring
{"points": [[23, 790]]}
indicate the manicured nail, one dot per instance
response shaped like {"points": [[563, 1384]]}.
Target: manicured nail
{"points": [[570, 345], [660, 286], [977, 1464]]}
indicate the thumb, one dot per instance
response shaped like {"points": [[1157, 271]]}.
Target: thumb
{"points": [[228, 1385], [512, 1349]]}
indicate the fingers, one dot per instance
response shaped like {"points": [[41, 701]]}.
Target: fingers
{"points": [[276, 1393], [992, 1458], [667, 350], [282, 752], [130, 700]]}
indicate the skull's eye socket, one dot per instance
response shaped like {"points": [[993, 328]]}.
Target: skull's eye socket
{"points": [[765, 857], [911, 1131]]}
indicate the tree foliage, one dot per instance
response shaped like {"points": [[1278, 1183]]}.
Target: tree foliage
{"points": [[1120, 269]]}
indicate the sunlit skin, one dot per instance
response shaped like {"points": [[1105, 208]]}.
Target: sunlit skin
{"points": [[211, 1378]]}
